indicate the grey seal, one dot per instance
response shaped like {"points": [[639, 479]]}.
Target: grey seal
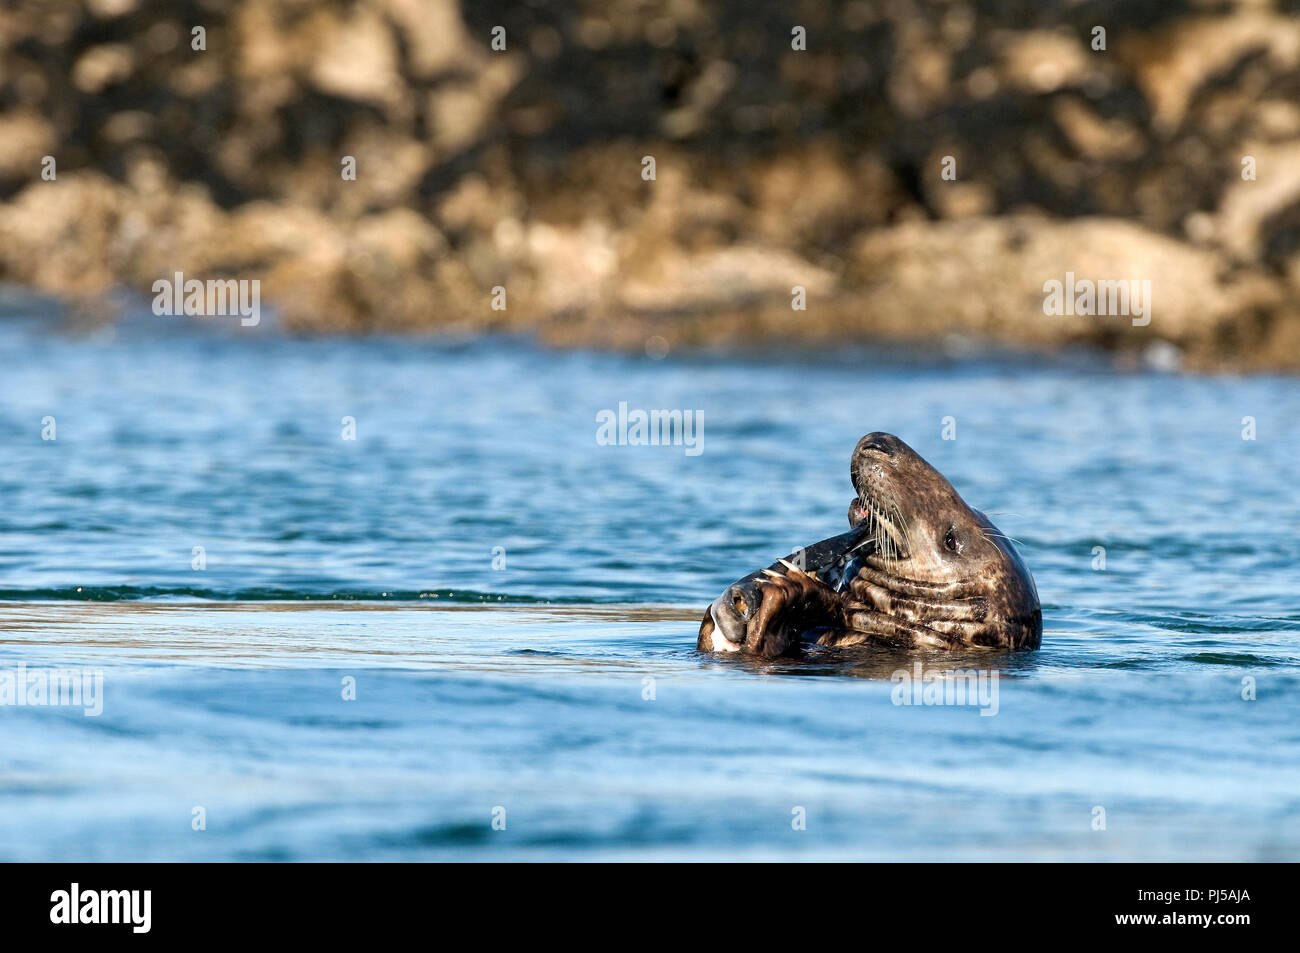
{"points": [[918, 568]]}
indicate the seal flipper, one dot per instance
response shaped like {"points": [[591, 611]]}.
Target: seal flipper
{"points": [[768, 616], [823, 570]]}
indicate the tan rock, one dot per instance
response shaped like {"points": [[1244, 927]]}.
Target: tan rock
{"points": [[53, 235], [356, 57], [434, 33], [987, 276], [1172, 62], [107, 9], [101, 66], [1247, 205], [25, 137], [1094, 136], [462, 111], [1043, 61]]}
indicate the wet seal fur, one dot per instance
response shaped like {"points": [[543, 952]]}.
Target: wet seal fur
{"points": [[918, 568]]}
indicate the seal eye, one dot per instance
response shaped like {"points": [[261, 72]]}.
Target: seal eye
{"points": [[951, 542]]}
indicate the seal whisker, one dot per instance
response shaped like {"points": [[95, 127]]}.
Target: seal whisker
{"points": [[885, 524], [901, 523], [987, 534]]}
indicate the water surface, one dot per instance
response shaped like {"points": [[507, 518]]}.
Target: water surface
{"points": [[517, 605]]}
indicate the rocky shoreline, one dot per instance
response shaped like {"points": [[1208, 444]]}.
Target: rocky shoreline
{"points": [[920, 170]]}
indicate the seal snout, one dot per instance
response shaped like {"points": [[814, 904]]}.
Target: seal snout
{"points": [[871, 457], [880, 442]]}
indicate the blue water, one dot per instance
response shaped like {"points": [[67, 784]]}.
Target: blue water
{"points": [[518, 605]]}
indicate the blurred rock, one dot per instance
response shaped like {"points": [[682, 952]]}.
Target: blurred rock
{"points": [[25, 137], [988, 275], [921, 169]]}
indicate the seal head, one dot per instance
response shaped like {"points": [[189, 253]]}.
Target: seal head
{"points": [[934, 561]]}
